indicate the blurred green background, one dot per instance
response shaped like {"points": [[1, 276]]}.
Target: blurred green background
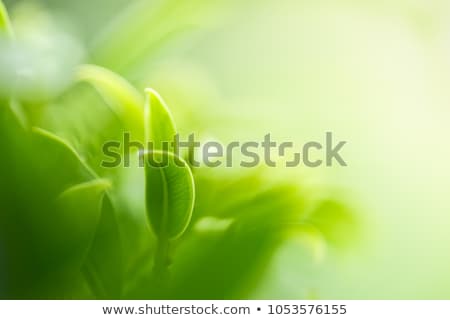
{"points": [[375, 73]]}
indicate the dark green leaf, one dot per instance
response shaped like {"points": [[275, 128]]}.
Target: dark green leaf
{"points": [[76, 218], [103, 267]]}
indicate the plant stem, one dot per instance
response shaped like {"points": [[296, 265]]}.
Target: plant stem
{"points": [[161, 263]]}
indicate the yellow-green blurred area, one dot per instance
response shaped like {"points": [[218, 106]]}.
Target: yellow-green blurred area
{"points": [[375, 73]]}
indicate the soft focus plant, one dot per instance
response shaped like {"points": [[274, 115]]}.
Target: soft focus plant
{"points": [[70, 228]]}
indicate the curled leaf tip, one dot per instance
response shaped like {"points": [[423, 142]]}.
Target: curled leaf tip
{"points": [[52, 137], [153, 97], [97, 185], [62, 145], [120, 96], [151, 91]]}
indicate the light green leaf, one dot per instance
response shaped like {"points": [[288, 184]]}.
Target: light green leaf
{"points": [[159, 123], [77, 217], [169, 193], [118, 94], [5, 24]]}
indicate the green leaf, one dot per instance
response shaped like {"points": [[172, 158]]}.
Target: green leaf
{"points": [[103, 267], [169, 194], [76, 218], [54, 152], [159, 123], [87, 225], [230, 264], [118, 94], [5, 24]]}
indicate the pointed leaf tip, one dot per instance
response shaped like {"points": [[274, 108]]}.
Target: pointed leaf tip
{"points": [[159, 123]]}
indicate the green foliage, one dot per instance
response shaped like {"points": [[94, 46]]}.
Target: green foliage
{"points": [[123, 99], [49, 216], [169, 194], [103, 266], [70, 228], [75, 228]]}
